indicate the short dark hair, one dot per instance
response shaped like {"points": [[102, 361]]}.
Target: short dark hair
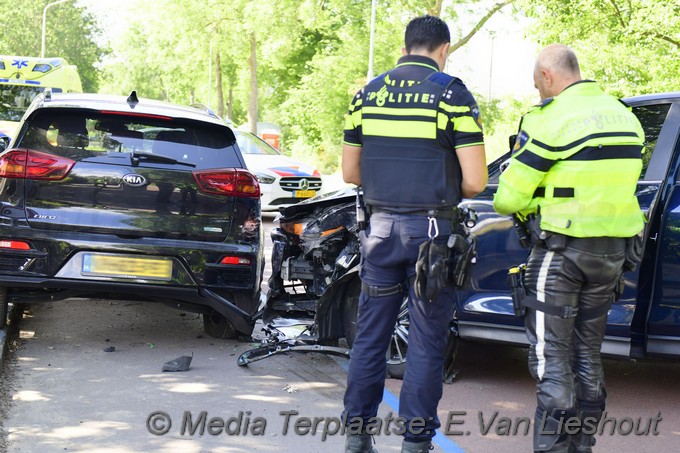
{"points": [[426, 32]]}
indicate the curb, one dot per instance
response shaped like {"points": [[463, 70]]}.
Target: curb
{"points": [[11, 321]]}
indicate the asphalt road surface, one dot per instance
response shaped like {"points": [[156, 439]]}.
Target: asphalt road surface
{"points": [[62, 392]]}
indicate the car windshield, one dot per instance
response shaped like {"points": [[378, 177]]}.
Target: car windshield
{"points": [[252, 144]]}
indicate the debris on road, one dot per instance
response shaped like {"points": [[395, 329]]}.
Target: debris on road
{"points": [[179, 364]]}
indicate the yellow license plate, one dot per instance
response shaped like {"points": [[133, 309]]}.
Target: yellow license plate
{"points": [[305, 193], [127, 266]]}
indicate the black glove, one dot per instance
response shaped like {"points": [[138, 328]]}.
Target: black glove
{"points": [[432, 270]]}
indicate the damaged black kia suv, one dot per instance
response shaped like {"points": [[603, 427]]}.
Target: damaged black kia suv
{"points": [[114, 197]]}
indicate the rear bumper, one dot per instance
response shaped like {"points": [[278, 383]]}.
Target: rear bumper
{"points": [[53, 269], [241, 312], [58, 255]]}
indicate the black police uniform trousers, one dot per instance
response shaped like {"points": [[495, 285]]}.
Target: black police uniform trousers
{"points": [[389, 250], [564, 354]]}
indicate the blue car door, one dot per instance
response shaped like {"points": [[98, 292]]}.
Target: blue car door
{"points": [[657, 319]]}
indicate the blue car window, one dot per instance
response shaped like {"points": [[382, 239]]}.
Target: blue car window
{"points": [[652, 118]]}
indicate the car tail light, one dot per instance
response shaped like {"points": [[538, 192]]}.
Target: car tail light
{"points": [[30, 164], [14, 245], [229, 182], [239, 260]]}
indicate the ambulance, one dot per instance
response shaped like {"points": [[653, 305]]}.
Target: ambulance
{"points": [[22, 78]]}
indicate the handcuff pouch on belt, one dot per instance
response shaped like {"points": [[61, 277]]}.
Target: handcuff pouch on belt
{"points": [[442, 265]]}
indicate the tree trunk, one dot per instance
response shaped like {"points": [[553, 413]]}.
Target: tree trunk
{"points": [[230, 108], [252, 103], [435, 9], [218, 81]]}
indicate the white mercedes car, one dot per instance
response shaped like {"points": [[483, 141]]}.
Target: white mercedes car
{"points": [[283, 181]]}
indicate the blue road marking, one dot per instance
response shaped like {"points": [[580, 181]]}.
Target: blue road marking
{"points": [[440, 440]]}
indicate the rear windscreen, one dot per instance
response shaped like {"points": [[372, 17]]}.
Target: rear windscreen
{"points": [[79, 134]]}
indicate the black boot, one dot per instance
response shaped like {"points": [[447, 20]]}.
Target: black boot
{"points": [[549, 435], [590, 415], [359, 443], [416, 447]]}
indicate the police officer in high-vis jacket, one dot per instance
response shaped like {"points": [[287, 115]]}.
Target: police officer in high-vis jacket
{"points": [[572, 177], [413, 140]]}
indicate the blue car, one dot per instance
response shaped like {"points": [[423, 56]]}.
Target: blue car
{"points": [[315, 265], [645, 321]]}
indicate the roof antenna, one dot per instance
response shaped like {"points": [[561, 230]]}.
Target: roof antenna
{"points": [[132, 100]]}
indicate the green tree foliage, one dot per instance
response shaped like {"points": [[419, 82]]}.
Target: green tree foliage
{"points": [[72, 33], [337, 64], [311, 56], [630, 46], [163, 54]]}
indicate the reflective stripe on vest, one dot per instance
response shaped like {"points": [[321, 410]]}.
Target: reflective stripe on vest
{"points": [[402, 164], [587, 141]]}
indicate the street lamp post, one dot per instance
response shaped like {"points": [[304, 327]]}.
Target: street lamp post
{"points": [[42, 47], [493, 36], [371, 45]]}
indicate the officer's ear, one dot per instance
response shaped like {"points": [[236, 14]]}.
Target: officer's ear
{"points": [[445, 50], [443, 55]]}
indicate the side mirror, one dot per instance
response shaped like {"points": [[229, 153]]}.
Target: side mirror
{"points": [[511, 141], [4, 142]]}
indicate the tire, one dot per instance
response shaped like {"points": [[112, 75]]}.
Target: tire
{"points": [[4, 307], [396, 352], [351, 310], [217, 326]]}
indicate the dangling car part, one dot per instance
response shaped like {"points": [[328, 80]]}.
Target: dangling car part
{"points": [[314, 288]]}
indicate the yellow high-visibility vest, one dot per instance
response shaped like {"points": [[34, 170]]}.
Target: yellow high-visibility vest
{"points": [[577, 161]]}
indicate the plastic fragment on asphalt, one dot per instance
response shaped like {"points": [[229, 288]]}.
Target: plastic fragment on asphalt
{"points": [[290, 389], [179, 364], [110, 349]]}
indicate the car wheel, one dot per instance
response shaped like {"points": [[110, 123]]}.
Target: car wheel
{"points": [[4, 307], [396, 352], [217, 326], [351, 310]]}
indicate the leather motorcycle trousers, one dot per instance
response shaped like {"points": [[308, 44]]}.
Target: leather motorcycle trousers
{"points": [[564, 354]]}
